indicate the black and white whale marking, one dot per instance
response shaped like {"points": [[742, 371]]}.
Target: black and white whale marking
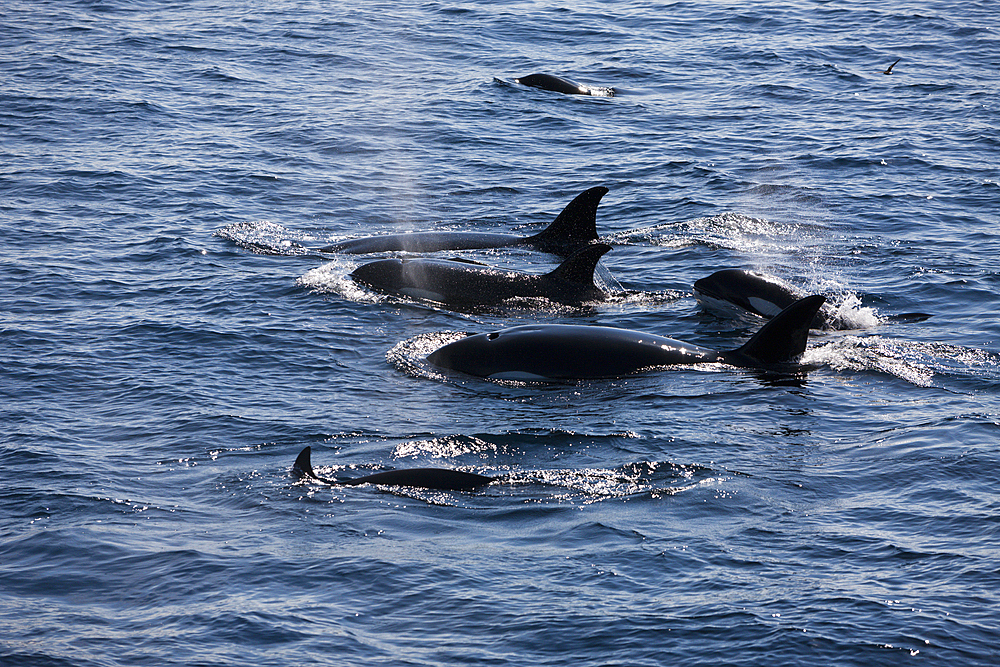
{"points": [[731, 291], [560, 85], [574, 227], [737, 292], [578, 352], [465, 284], [441, 479]]}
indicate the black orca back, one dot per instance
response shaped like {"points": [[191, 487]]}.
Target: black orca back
{"points": [[441, 479]]}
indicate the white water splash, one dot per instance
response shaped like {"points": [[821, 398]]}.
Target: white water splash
{"points": [[916, 363], [268, 238]]}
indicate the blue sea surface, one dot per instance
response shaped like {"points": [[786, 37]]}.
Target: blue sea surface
{"points": [[171, 338]]}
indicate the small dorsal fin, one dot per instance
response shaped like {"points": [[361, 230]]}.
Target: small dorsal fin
{"points": [[425, 478], [579, 267], [576, 225], [783, 338]]}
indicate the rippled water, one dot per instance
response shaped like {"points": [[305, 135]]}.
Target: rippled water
{"points": [[172, 340]]}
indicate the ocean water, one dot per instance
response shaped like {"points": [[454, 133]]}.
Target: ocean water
{"points": [[171, 340]]}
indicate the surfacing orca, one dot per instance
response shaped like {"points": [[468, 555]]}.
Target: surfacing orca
{"points": [[469, 284], [574, 227], [579, 352], [730, 290], [441, 479], [554, 83], [738, 291]]}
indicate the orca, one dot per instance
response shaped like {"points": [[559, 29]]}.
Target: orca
{"points": [[440, 479], [574, 227], [554, 352], [554, 83], [463, 283], [731, 291], [738, 292]]}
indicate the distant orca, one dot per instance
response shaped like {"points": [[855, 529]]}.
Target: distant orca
{"points": [[737, 291], [462, 283], [441, 479], [571, 352], [553, 83], [559, 85], [574, 227]]}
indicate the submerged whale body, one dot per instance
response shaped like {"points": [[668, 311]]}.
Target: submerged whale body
{"points": [[469, 284], [579, 352], [441, 479], [575, 226]]}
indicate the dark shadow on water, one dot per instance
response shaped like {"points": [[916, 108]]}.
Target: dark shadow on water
{"points": [[792, 376]]}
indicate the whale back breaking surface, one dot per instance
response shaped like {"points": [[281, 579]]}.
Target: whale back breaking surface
{"points": [[565, 352], [468, 284], [568, 352], [554, 83], [422, 242], [440, 479], [575, 226], [560, 85]]}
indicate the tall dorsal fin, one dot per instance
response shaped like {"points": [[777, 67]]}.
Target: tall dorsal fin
{"points": [[303, 464], [579, 267], [576, 225], [783, 338]]}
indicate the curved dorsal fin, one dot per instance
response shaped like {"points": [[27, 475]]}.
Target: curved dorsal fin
{"points": [[303, 464], [579, 267], [783, 338], [576, 225]]}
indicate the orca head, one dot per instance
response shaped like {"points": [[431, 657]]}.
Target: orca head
{"points": [[472, 355], [760, 294]]}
